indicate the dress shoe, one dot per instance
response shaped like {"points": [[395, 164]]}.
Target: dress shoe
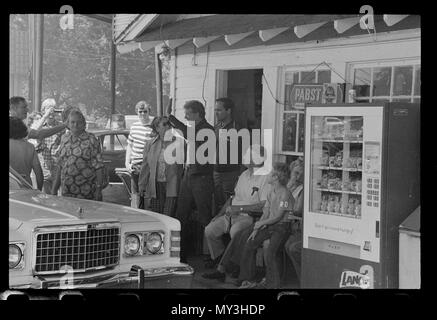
{"points": [[213, 263]]}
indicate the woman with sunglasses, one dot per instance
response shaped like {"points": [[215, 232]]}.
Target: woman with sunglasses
{"points": [[159, 181], [140, 132]]}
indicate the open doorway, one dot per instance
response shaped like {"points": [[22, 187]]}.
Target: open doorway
{"points": [[244, 87]]}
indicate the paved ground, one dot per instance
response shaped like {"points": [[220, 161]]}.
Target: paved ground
{"points": [[201, 283]]}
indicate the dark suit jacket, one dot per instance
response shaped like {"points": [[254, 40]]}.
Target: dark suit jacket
{"points": [[195, 169]]}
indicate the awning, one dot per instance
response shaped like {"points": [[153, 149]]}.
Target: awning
{"points": [[236, 30]]}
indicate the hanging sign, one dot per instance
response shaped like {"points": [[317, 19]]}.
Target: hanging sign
{"points": [[296, 95]]}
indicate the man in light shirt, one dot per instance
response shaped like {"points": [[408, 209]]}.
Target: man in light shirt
{"points": [[18, 108], [250, 195]]}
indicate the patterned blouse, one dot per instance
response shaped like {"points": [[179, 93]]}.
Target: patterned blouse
{"points": [[79, 158]]}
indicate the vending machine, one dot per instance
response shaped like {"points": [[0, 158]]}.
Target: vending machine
{"points": [[362, 179]]}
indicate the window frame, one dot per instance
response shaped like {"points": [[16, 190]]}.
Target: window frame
{"points": [[299, 113], [116, 140], [414, 62]]}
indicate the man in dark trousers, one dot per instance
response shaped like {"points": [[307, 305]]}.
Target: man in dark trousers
{"points": [[225, 174], [197, 183]]}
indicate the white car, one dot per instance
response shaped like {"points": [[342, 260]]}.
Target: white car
{"points": [[64, 243]]}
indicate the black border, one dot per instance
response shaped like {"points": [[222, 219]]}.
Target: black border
{"points": [[362, 302]]}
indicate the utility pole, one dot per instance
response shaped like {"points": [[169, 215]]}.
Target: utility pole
{"points": [[158, 80], [113, 77], [37, 62]]}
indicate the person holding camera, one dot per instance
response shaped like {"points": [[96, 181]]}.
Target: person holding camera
{"points": [[47, 147]]}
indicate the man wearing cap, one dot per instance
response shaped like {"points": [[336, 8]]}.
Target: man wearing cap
{"points": [[140, 132], [18, 108]]}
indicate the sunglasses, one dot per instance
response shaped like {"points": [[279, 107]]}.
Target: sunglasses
{"points": [[143, 111]]}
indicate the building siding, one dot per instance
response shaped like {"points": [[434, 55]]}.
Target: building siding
{"points": [[189, 71]]}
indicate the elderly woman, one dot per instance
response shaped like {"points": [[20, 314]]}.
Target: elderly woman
{"points": [[158, 180], [80, 165], [22, 154]]}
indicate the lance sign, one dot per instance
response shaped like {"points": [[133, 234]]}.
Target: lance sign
{"points": [[296, 95], [362, 279]]}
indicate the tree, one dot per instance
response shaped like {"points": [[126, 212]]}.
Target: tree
{"points": [[76, 68]]}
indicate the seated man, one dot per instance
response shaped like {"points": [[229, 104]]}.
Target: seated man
{"points": [[250, 195]]}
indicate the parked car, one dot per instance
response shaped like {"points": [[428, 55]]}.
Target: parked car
{"points": [[130, 120], [60, 242], [114, 144]]}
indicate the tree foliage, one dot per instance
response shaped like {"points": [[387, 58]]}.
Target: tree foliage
{"points": [[76, 67]]}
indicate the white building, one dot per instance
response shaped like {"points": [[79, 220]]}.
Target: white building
{"points": [[252, 58]]}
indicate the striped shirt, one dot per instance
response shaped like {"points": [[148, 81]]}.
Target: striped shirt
{"points": [[138, 135]]}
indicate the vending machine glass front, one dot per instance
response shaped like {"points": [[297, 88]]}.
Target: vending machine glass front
{"points": [[343, 159]]}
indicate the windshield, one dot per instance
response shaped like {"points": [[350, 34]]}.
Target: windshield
{"points": [[16, 182]]}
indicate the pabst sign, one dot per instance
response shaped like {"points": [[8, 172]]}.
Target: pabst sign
{"points": [[296, 95]]}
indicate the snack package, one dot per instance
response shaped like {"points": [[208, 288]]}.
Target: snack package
{"points": [[324, 182], [351, 207], [332, 183], [348, 163], [324, 205], [338, 162], [353, 185], [331, 204], [358, 186], [359, 163], [358, 208], [345, 186], [338, 184], [343, 208], [331, 161], [337, 205]]}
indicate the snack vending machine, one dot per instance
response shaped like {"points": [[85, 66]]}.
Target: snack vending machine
{"points": [[362, 176]]}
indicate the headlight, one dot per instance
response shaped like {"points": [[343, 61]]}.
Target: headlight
{"points": [[131, 244], [154, 242], [15, 255]]}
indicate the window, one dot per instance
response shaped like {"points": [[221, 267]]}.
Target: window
{"points": [[292, 121], [119, 143], [389, 82]]}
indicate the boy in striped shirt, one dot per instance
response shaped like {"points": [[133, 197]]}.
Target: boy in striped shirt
{"points": [[140, 132]]}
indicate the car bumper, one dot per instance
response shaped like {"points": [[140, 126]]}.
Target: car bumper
{"points": [[137, 278]]}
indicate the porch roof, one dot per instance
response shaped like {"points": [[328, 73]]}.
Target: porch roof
{"points": [[257, 29]]}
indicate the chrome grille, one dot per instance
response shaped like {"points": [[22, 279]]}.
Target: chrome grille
{"points": [[82, 250]]}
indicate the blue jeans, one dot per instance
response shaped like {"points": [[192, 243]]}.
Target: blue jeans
{"points": [[277, 234]]}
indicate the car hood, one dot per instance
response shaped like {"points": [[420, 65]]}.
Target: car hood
{"points": [[32, 206]]}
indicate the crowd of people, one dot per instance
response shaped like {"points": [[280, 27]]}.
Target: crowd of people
{"points": [[239, 209]]}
